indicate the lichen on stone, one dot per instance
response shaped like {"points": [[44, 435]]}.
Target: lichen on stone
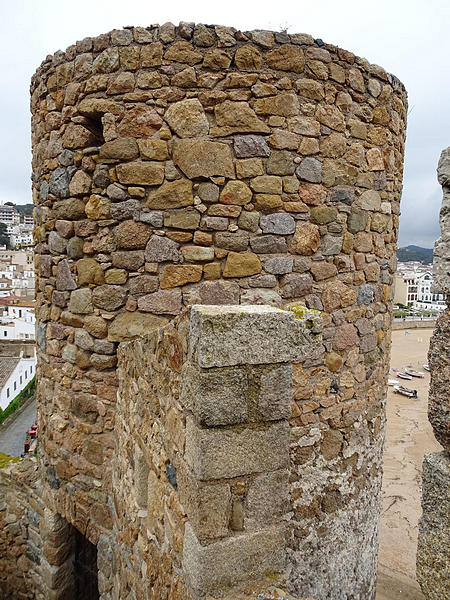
{"points": [[6, 460]]}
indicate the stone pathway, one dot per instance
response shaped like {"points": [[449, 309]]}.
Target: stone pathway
{"points": [[12, 437]]}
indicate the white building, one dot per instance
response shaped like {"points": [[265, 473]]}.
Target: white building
{"points": [[17, 321], [28, 221], [21, 239], [17, 257], [15, 374], [9, 215], [413, 283], [17, 268], [425, 298]]}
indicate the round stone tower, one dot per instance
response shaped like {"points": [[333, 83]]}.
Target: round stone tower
{"points": [[204, 165]]}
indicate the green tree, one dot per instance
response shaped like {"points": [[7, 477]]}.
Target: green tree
{"points": [[4, 237]]}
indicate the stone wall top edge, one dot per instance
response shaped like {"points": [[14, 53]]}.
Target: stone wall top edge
{"points": [[180, 34], [441, 261]]}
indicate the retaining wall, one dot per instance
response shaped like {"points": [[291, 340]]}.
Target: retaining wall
{"points": [[426, 324]]}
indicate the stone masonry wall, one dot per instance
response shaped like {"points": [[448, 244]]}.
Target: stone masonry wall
{"points": [[197, 164], [20, 542], [201, 480], [433, 549], [36, 545]]}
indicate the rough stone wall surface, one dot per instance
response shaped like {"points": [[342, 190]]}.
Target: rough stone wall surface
{"points": [[439, 397], [441, 262], [27, 560], [20, 543], [433, 554], [195, 164], [202, 475], [36, 544], [433, 549]]}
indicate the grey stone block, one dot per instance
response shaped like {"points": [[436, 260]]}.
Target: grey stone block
{"points": [[222, 336], [310, 169], [207, 505], [225, 563], [274, 393], [59, 183], [433, 549], [365, 294], [278, 265], [217, 453], [246, 146], [278, 223], [233, 395], [215, 396], [267, 499]]}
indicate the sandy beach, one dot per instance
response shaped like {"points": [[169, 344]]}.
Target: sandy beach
{"points": [[409, 436]]}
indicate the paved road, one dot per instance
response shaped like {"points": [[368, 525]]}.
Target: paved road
{"points": [[12, 438]]}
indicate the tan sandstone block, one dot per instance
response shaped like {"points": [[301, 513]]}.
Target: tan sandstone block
{"points": [[306, 239], [212, 271], [175, 275], [242, 264], [236, 192], [286, 58], [284, 105], [201, 158], [172, 194], [141, 173]]}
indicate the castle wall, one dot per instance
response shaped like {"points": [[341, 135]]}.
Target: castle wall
{"points": [[36, 549], [201, 480], [201, 165], [433, 554], [20, 541]]}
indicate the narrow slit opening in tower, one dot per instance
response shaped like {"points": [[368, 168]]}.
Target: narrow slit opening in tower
{"points": [[85, 569]]}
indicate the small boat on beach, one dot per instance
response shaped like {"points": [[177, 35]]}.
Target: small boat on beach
{"points": [[404, 391], [413, 372], [404, 375], [426, 367], [393, 382]]}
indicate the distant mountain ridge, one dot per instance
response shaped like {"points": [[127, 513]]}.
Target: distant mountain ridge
{"points": [[411, 253]]}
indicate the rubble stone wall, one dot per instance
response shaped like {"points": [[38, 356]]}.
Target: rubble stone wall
{"points": [[197, 164], [36, 545], [433, 554], [20, 542], [201, 480]]}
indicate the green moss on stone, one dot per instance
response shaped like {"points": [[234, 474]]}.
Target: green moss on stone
{"points": [[300, 311], [6, 460]]}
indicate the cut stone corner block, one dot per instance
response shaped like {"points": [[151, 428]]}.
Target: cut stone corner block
{"points": [[226, 563], [433, 549], [216, 453], [222, 336], [222, 396]]}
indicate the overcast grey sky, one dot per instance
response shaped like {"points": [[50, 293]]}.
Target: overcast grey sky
{"points": [[409, 38]]}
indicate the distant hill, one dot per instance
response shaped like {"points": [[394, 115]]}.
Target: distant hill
{"points": [[24, 209], [410, 253]]}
